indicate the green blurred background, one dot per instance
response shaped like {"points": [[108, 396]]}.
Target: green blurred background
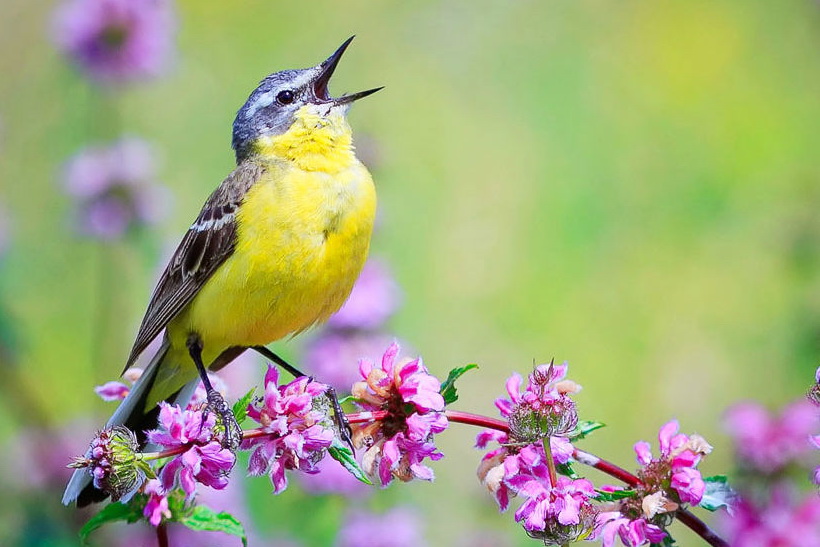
{"points": [[630, 186]]}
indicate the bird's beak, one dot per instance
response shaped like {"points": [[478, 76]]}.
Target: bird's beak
{"points": [[327, 68]]}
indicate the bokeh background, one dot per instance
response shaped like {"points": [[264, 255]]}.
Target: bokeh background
{"points": [[631, 186]]}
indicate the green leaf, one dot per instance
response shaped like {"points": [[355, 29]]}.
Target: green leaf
{"points": [[240, 407], [342, 454], [614, 496], [668, 541], [567, 470], [584, 428], [718, 494], [448, 386], [346, 399], [111, 513], [204, 519]]}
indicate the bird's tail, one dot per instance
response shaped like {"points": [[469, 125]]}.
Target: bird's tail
{"points": [[135, 414]]}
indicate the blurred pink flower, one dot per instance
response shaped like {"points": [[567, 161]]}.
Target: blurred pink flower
{"points": [[332, 478], [398, 527], [115, 41], [375, 297], [784, 519], [768, 443], [300, 431], [115, 189], [112, 391]]}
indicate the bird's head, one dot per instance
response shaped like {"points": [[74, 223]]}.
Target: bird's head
{"points": [[287, 97]]}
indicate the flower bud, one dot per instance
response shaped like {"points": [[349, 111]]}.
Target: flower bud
{"points": [[113, 462]]}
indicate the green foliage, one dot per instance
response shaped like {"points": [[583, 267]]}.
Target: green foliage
{"points": [[203, 518], [614, 496], [566, 469], [584, 428], [240, 407], [197, 517], [448, 386], [342, 454], [131, 512]]}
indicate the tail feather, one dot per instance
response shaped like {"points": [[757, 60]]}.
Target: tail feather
{"points": [[131, 413]]}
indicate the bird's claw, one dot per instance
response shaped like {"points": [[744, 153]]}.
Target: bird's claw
{"points": [[233, 432]]}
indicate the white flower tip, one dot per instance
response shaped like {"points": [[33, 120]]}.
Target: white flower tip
{"points": [[657, 503]]}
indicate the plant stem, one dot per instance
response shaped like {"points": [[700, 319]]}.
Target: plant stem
{"points": [[550, 462], [700, 528], [162, 535]]}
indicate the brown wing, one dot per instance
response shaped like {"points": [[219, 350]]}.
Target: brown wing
{"points": [[206, 245]]}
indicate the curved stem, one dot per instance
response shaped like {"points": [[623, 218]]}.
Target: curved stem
{"points": [[700, 528]]}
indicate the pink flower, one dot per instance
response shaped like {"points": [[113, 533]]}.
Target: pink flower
{"points": [[203, 460], [784, 519], [115, 188], [544, 409], [398, 527], [295, 416], [612, 526], [374, 299], [112, 391], [116, 40], [397, 444], [157, 506], [679, 456], [332, 478], [689, 485], [768, 443]]}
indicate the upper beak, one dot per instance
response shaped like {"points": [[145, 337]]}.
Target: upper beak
{"points": [[327, 69]]}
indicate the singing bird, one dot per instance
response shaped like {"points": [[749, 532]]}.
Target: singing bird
{"points": [[275, 249]]}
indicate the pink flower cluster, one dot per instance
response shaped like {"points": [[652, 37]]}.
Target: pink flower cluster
{"points": [[767, 442], [298, 430], [781, 517], [560, 512], [612, 525], [116, 40], [397, 445], [667, 482], [679, 456], [156, 508], [201, 459]]}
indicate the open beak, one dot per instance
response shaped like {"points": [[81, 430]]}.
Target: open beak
{"points": [[328, 67]]}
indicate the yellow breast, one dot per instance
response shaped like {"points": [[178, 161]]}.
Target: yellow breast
{"points": [[303, 235]]}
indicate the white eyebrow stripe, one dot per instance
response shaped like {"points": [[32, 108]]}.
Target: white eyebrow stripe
{"points": [[263, 100]]}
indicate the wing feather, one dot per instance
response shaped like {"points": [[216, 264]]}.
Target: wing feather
{"points": [[205, 246]]}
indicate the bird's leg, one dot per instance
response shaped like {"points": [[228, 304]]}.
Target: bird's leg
{"points": [[338, 414], [216, 403]]}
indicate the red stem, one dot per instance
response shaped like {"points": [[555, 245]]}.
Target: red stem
{"points": [[162, 535]]}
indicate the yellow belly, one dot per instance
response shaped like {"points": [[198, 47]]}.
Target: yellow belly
{"points": [[303, 237]]}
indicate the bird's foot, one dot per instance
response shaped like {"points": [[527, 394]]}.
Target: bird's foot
{"points": [[232, 436], [340, 419]]}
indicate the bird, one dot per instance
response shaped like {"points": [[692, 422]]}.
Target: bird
{"points": [[275, 249]]}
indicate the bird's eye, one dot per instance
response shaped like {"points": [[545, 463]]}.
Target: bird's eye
{"points": [[284, 97]]}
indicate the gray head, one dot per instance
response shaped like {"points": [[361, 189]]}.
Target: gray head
{"points": [[270, 109]]}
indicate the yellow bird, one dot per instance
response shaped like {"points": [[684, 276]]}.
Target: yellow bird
{"points": [[275, 249]]}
